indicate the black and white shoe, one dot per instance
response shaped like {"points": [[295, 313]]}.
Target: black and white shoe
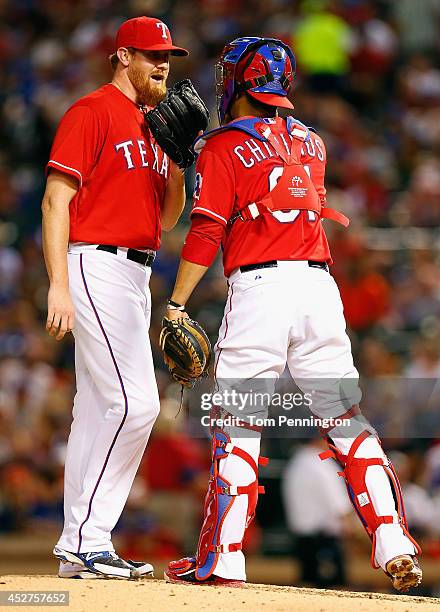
{"points": [[75, 571], [103, 564]]}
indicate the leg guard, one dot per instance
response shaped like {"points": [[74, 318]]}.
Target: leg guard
{"points": [[220, 497], [355, 476]]}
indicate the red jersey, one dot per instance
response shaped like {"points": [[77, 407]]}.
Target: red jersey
{"points": [[122, 172], [234, 170]]}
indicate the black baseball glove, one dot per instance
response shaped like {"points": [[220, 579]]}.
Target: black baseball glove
{"points": [[186, 349], [176, 121]]}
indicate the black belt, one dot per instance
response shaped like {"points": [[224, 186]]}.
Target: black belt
{"points": [[145, 259], [274, 264]]}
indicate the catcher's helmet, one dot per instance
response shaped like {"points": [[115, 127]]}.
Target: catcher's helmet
{"points": [[262, 67]]}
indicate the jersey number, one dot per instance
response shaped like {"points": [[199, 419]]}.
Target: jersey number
{"points": [[288, 216]]}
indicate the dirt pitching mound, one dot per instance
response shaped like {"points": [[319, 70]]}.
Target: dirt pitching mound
{"points": [[152, 595]]}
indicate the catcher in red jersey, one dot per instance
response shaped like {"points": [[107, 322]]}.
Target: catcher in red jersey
{"points": [[260, 193]]}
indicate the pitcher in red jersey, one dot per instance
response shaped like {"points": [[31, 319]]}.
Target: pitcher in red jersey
{"points": [[260, 193], [110, 191]]}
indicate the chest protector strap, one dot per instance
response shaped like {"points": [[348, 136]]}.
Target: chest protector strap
{"points": [[295, 189]]}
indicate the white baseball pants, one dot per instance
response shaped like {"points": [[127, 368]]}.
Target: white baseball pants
{"points": [[116, 403], [293, 315]]}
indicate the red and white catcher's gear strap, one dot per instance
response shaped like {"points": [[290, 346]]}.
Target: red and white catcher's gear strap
{"points": [[255, 209], [219, 499], [354, 473], [354, 411], [217, 412]]}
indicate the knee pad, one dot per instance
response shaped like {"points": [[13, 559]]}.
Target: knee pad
{"points": [[219, 500], [354, 472]]}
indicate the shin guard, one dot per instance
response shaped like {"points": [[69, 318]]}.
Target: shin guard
{"points": [[219, 499], [354, 473]]}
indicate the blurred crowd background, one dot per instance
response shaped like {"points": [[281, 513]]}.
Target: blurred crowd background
{"points": [[368, 80]]}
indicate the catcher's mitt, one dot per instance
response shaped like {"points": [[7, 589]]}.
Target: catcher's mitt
{"points": [[176, 121], [186, 348]]}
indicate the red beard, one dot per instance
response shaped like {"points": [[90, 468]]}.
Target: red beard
{"points": [[147, 93]]}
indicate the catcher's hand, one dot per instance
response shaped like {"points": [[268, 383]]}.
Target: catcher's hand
{"points": [[186, 348], [176, 122]]}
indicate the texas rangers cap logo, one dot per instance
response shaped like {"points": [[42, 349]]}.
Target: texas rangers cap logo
{"points": [[197, 186]]}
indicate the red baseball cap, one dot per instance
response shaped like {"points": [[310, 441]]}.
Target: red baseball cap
{"points": [[148, 34]]}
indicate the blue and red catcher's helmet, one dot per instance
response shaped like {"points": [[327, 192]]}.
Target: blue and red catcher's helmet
{"points": [[262, 67]]}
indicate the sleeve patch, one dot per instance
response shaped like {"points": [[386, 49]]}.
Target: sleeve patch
{"points": [[197, 185]]}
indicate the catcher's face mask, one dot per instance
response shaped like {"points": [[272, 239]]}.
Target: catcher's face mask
{"points": [[263, 67]]}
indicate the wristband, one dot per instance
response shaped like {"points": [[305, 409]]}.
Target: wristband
{"points": [[175, 306]]}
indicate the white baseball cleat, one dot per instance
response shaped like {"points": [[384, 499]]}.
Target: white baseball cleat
{"points": [[75, 571], [404, 572], [105, 564]]}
